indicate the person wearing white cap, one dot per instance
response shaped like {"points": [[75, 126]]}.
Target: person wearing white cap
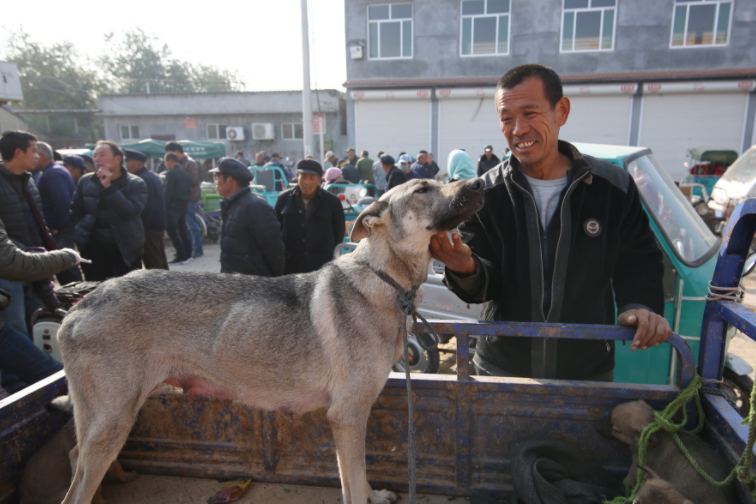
{"points": [[330, 161], [487, 161]]}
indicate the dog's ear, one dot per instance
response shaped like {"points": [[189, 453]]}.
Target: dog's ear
{"points": [[367, 219]]}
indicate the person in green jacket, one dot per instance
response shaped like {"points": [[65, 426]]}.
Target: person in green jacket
{"points": [[365, 167], [22, 363]]}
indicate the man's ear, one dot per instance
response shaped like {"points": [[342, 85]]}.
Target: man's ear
{"points": [[367, 219]]}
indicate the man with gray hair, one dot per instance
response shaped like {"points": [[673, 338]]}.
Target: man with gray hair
{"points": [[56, 188]]}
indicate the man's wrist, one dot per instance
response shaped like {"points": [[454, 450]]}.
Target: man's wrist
{"points": [[467, 270]]}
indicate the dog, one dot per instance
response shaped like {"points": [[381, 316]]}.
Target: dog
{"points": [[626, 423], [657, 491], [340, 328]]}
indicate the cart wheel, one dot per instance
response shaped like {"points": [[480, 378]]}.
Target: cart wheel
{"points": [[202, 224], [421, 361], [738, 389]]}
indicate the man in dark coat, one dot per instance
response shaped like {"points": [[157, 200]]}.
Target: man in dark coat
{"points": [[56, 188], [154, 213], [106, 214], [193, 169], [251, 235], [178, 188], [487, 161], [561, 238], [312, 220], [394, 176]]}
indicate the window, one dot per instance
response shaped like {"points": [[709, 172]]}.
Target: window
{"points": [[292, 131], [485, 27], [588, 25], [701, 22], [129, 132], [216, 132], [390, 31]]}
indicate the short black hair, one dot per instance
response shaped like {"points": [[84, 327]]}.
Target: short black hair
{"points": [[174, 147], [239, 182], [364, 153], [12, 140], [171, 157], [239, 153], [552, 84], [57, 156], [114, 148]]}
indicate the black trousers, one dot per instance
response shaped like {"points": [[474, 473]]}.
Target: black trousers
{"points": [[154, 250], [106, 261], [65, 239], [176, 228]]}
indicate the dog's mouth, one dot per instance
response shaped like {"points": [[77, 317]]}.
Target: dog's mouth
{"points": [[463, 206]]}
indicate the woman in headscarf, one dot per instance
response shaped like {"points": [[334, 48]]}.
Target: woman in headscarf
{"points": [[459, 166]]}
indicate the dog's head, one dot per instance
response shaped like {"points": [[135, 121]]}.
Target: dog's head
{"points": [[627, 421], [411, 213], [658, 491]]}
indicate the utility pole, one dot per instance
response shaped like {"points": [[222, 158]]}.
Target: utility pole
{"points": [[306, 92]]}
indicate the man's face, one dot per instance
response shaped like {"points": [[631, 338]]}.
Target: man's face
{"points": [[42, 160], [133, 165], [489, 153], [386, 167], [405, 167], [90, 167], [259, 158], [170, 164], [104, 159], [528, 121], [350, 154], [222, 185], [27, 159], [308, 183], [179, 155], [333, 159], [75, 172], [429, 158], [421, 158]]}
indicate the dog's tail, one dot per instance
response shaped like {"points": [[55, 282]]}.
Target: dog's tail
{"points": [[62, 403]]}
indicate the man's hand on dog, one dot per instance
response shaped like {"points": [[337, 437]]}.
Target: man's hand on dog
{"points": [[653, 329], [456, 257]]}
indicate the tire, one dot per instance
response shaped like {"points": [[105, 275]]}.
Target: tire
{"points": [[428, 362], [738, 389], [202, 224]]}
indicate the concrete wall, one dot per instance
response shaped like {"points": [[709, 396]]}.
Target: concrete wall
{"points": [[641, 44], [164, 115]]}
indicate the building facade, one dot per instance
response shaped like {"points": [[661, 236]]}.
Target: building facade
{"points": [[250, 122], [665, 74]]}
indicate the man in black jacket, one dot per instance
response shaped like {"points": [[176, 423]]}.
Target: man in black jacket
{"points": [[178, 188], [561, 238], [394, 176], [312, 220], [251, 236], [487, 161], [153, 215], [106, 214]]}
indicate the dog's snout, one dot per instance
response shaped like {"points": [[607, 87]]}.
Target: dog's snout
{"points": [[475, 184]]}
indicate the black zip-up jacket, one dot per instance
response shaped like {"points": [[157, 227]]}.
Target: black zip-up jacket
{"points": [[600, 243], [19, 226], [153, 215], [395, 177], [178, 190]]}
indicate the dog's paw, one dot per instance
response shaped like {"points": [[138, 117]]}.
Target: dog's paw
{"points": [[383, 497]]}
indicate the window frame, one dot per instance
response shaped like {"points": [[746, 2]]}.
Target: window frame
{"points": [[217, 131], [401, 32], [462, 18], [601, 28], [131, 131], [293, 130], [687, 4]]}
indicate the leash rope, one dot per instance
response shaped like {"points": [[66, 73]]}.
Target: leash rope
{"points": [[406, 304], [663, 421], [725, 293]]}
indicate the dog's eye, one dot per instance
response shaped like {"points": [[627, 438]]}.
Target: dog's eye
{"points": [[422, 190]]}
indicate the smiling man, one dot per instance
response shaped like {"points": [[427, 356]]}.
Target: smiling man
{"points": [[562, 237]]}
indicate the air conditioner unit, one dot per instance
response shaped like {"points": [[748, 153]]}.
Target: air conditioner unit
{"points": [[263, 131], [235, 133]]}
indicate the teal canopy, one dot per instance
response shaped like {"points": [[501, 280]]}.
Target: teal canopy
{"points": [[197, 150]]}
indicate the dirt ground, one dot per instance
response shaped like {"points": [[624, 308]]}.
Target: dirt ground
{"points": [[169, 490]]}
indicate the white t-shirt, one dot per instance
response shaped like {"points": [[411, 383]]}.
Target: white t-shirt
{"points": [[546, 194]]}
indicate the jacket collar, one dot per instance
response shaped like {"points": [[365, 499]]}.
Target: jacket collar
{"points": [[238, 195], [24, 177], [579, 164]]}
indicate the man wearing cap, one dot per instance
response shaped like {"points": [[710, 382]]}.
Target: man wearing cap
{"points": [[178, 189], [330, 161], [192, 168], [487, 161], [56, 188], [312, 220], [275, 160], [251, 240], [394, 176], [404, 163], [240, 157], [379, 174], [76, 166], [153, 215], [350, 159], [89, 161]]}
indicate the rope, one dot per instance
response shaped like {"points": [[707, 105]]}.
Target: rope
{"points": [[663, 421], [725, 293], [406, 304]]}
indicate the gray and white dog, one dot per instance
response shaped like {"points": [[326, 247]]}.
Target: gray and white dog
{"points": [[220, 335]]}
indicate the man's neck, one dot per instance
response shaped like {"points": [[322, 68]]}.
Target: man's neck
{"points": [[15, 168], [553, 168], [117, 173]]}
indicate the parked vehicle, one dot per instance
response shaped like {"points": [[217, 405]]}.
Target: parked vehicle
{"points": [[270, 181], [465, 425], [737, 184], [706, 166]]}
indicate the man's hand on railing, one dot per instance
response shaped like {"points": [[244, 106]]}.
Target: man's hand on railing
{"points": [[653, 329]]}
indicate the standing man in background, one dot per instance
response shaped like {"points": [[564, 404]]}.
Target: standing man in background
{"points": [[56, 188], [240, 156], [487, 161], [418, 167], [178, 189], [76, 166], [153, 215], [394, 176], [365, 167], [192, 168], [379, 174]]}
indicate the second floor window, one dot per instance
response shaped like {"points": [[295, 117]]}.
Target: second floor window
{"points": [[697, 23], [129, 132], [390, 31], [588, 25], [292, 131], [485, 27], [216, 132]]}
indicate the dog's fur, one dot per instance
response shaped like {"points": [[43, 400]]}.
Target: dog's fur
{"points": [[626, 423], [657, 491], [223, 335]]}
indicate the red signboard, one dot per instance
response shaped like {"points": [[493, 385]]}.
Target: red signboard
{"points": [[190, 123], [318, 123]]}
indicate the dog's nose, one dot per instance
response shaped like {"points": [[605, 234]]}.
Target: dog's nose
{"points": [[475, 184]]}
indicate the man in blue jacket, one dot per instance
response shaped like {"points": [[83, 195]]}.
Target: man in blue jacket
{"points": [[153, 215], [56, 188]]}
